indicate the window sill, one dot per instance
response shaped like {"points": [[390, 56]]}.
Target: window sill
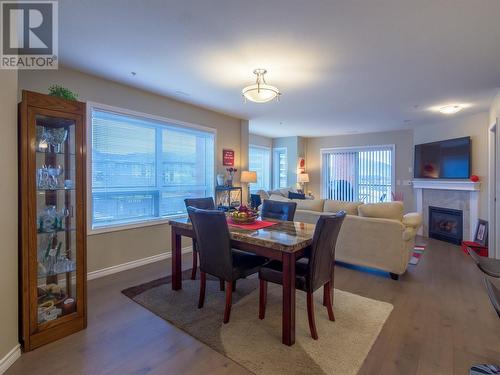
{"points": [[141, 224]]}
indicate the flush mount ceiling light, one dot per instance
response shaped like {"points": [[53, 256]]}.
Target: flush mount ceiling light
{"points": [[260, 92], [451, 109]]}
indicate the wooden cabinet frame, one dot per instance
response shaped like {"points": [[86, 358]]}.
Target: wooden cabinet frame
{"points": [[32, 333]]}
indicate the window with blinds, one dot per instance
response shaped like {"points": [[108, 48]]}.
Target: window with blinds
{"points": [[260, 161], [143, 169], [363, 174]]}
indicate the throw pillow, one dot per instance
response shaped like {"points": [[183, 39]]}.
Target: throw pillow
{"points": [[292, 195]]}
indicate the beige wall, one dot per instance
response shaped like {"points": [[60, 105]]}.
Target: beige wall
{"points": [[109, 249], [476, 126], [259, 140], [8, 202], [402, 139]]}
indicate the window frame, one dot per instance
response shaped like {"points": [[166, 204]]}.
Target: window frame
{"points": [[276, 167], [88, 151], [330, 150], [270, 166]]}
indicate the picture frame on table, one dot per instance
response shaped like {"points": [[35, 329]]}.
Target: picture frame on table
{"points": [[481, 235]]}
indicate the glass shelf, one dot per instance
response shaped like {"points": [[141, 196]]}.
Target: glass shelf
{"points": [[49, 274], [56, 231], [54, 153], [56, 189]]}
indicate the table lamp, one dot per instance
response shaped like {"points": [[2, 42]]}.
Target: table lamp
{"points": [[248, 177], [302, 178]]}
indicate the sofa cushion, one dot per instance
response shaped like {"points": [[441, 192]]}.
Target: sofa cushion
{"points": [[283, 192], [279, 198], [263, 194], [385, 210], [350, 208], [310, 204]]}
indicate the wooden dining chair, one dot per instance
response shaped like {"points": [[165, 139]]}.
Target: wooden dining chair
{"points": [[206, 204], [311, 275], [217, 258], [489, 266], [493, 294], [278, 210]]}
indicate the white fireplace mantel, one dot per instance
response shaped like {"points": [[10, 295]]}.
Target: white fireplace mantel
{"points": [[463, 185]]}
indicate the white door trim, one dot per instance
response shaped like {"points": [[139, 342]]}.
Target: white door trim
{"points": [[493, 205]]}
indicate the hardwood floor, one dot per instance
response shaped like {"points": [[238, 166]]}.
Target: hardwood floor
{"points": [[442, 323]]}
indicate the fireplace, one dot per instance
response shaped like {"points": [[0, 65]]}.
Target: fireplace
{"points": [[446, 224]]}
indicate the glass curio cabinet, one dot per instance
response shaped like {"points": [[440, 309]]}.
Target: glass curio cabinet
{"points": [[52, 197]]}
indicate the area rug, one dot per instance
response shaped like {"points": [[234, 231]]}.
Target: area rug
{"points": [[256, 344], [418, 251]]}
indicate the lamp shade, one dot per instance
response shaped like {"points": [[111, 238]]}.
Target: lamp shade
{"points": [[303, 177], [248, 176]]}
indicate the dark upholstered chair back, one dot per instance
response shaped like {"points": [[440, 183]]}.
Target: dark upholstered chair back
{"points": [[213, 242], [323, 250], [278, 210], [203, 203]]}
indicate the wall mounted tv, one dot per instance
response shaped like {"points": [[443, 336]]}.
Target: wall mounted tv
{"points": [[450, 159]]}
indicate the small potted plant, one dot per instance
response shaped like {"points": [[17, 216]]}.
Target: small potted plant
{"points": [[62, 92]]}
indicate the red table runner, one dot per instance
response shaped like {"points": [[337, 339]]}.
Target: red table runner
{"points": [[257, 224]]}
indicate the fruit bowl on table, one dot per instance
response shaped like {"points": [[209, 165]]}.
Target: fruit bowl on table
{"points": [[246, 218]]}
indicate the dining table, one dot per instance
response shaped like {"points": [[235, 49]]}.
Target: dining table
{"points": [[285, 241]]}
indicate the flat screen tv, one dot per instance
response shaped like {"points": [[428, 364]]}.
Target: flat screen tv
{"points": [[450, 159]]}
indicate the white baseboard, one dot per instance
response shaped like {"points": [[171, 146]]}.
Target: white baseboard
{"points": [[10, 358], [133, 264]]}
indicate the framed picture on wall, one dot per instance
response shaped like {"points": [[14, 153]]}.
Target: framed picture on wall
{"points": [[228, 158], [481, 236]]}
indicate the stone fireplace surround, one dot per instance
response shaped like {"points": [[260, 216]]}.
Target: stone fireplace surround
{"points": [[457, 194]]}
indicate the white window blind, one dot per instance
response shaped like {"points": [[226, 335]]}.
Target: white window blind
{"points": [[280, 172], [358, 174], [260, 162], [142, 169]]}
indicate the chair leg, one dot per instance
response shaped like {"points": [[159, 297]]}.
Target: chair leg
{"points": [[195, 265], [229, 296], [221, 285], [394, 276], [327, 300], [203, 283], [310, 316], [262, 299]]}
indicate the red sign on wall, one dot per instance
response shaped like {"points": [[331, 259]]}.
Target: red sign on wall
{"points": [[228, 158]]}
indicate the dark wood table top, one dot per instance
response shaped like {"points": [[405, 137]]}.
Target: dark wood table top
{"points": [[285, 236]]}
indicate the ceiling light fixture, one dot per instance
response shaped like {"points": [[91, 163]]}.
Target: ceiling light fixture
{"points": [[260, 92], [451, 109]]}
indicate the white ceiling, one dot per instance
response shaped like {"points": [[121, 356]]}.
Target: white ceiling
{"points": [[343, 66]]}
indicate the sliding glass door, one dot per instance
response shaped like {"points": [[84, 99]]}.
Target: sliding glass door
{"points": [[363, 174]]}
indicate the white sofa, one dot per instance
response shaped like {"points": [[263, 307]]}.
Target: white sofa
{"points": [[375, 235]]}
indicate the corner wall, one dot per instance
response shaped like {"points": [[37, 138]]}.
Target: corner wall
{"points": [[9, 224], [295, 147], [114, 248]]}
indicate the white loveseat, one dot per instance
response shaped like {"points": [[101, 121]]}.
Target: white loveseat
{"points": [[375, 235]]}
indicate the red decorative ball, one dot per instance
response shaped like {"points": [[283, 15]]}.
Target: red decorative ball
{"points": [[474, 178]]}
